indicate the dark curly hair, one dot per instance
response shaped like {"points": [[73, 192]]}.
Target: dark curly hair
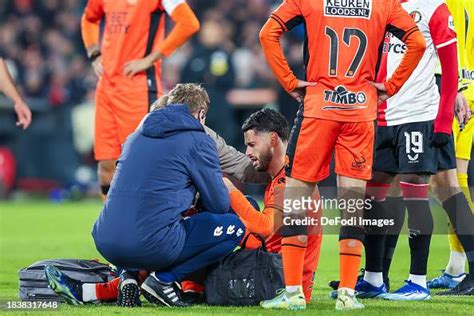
{"points": [[267, 120]]}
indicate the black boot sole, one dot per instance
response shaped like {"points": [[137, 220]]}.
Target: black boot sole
{"points": [[129, 296]]}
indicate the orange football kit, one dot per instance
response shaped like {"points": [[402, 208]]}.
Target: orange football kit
{"points": [[341, 55], [342, 47], [268, 222], [262, 223], [133, 29]]}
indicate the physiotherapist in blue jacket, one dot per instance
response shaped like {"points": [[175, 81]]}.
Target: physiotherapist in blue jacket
{"points": [[164, 163]]}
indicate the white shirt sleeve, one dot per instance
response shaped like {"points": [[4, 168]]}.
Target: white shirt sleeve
{"points": [[170, 5]]}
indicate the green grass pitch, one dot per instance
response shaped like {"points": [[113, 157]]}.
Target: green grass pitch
{"points": [[35, 230]]}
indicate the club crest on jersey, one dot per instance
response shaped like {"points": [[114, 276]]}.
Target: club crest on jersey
{"points": [[340, 95], [348, 8], [451, 23], [416, 16]]}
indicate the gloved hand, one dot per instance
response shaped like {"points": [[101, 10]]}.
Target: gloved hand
{"points": [[440, 139]]}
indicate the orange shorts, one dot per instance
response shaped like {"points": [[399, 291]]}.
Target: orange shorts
{"points": [[313, 141], [117, 115]]}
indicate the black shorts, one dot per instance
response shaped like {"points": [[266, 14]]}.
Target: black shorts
{"points": [[407, 148], [447, 156]]}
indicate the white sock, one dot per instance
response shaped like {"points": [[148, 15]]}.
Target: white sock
{"points": [[349, 291], [293, 288], [418, 279], [374, 278], [456, 264], [88, 292]]}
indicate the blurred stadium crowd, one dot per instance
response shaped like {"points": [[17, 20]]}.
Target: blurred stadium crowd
{"points": [[41, 43]]}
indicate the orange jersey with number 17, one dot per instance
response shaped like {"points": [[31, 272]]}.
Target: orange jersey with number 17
{"points": [[341, 52]]}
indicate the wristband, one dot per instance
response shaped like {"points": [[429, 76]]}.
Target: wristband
{"points": [[94, 56]]}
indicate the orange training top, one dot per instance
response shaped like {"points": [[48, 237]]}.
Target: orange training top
{"points": [[341, 52]]}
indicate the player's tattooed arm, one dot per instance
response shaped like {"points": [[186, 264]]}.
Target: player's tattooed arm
{"points": [[462, 110], [401, 25]]}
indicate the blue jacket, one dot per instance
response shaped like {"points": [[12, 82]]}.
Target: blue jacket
{"points": [[161, 167]]}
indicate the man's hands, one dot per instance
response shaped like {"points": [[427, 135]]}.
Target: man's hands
{"points": [[133, 67], [23, 113], [130, 68], [381, 92], [299, 92], [94, 54], [229, 185], [462, 110], [97, 66]]}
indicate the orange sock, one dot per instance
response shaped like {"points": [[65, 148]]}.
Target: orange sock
{"points": [[191, 286], [292, 251], [311, 259], [107, 291], [350, 251]]}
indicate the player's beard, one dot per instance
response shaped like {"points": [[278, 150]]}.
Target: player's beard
{"points": [[264, 160]]}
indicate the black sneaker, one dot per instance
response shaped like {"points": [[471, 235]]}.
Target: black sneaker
{"points": [[464, 288], [128, 292], [161, 293], [64, 286], [192, 298]]}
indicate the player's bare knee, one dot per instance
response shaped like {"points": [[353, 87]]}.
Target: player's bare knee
{"points": [[415, 178], [303, 239], [395, 190], [462, 165], [445, 184], [382, 177]]}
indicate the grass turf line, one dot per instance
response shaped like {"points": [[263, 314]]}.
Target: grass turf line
{"points": [[36, 230]]}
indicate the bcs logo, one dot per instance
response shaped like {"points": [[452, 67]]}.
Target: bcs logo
{"points": [[340, 95], [396, 48]]}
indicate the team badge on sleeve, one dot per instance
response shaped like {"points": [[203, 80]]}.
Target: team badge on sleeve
{"points": [[451, 23]]}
